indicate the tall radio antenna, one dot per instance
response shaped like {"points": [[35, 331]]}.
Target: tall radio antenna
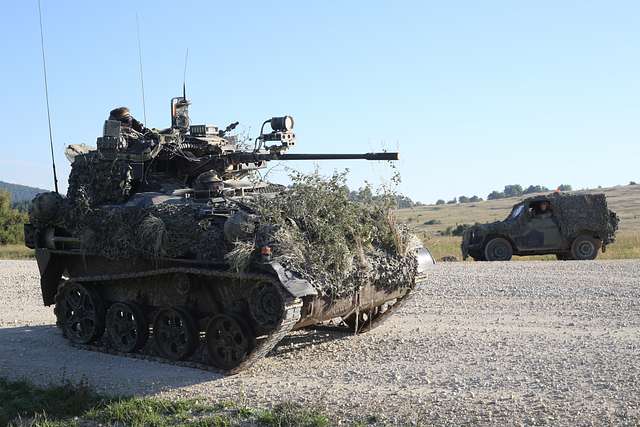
{"points": [[184, 75], [46, 94], [144, 107]]}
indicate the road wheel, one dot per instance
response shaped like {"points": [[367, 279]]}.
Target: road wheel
{"points": [[498, 249], [126, 327], [229, 341], [80, 313], [585, 247], [266, 307], [175, 333]]}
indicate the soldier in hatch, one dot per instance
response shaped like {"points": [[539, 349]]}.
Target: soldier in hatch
{"points": [[123, 115]]}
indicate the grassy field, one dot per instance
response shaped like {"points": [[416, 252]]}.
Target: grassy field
{"points": [[22, 404], [428, 222], [19, 251]]}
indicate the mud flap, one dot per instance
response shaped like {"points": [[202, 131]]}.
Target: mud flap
{"points": [[297, 287], [51, 268]]}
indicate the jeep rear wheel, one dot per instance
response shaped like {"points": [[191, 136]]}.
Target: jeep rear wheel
{"points": [[585, 247], [498, 249]]}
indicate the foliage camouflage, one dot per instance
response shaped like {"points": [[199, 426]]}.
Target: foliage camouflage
{"points": [[99, 181], [315, 228], [579, 212], [335, 243]]}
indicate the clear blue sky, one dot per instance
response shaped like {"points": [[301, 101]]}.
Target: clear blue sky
{"points": [[474, 95]]}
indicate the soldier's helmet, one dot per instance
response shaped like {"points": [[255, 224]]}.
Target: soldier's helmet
{"points": [[121, 114], [209, 181]]}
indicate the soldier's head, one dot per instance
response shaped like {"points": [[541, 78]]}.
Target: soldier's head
{"points": [[123, 115], [210, 182]]}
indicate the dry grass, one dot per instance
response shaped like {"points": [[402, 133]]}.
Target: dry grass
{"points": [[19, 251], [624, 200], [627, 246]]}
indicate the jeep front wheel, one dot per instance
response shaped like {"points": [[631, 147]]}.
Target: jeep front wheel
{"points": [[498, 249], [585, 247]]}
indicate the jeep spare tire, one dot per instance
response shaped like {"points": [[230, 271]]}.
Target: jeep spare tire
{"points": [[585, 247], [498, 249]]}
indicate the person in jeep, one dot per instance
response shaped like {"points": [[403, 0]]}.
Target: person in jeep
{"points": [[570, 226], [544, 210]]}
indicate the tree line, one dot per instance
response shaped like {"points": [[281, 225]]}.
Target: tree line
{"points": [[365, 194], [11, 221], [511, 190]]}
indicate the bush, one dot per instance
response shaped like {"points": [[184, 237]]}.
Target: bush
{"points": [[494, 195], [452, 201], [472, 199], [22, 206], [536, 189], [458, 230], [564, 187], [440, 202], [513, 190], [11, 221], [633, 183], [366, 195], [432, 222]]}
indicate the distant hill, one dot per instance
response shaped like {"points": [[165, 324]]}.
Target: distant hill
{"points": [[20, 193]]}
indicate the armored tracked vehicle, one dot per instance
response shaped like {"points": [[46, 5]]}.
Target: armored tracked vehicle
{"points": [[570, 226], [168, 244]]}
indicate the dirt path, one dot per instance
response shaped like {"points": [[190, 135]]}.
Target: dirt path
{"points": [[521, 342]]}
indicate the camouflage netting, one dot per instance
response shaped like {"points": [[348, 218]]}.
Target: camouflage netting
{"points": [[580, 212], [156, 231], [315, 230], [99, 181]]}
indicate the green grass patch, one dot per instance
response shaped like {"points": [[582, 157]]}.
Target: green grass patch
{"points": [[21, 399], [626, 246], [17, 251], [23, 404]]}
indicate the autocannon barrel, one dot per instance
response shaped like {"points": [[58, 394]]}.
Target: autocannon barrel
{"points": [[220, 162], [331, 156]]}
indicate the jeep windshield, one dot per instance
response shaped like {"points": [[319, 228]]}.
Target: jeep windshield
{"points": [[515, 212]]}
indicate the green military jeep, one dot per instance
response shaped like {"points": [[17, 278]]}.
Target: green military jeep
{"points": [[570, 226]]}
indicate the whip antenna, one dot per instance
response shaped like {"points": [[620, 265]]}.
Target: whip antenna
{"points": [[46, 95], [184, 75], [144, 107]]}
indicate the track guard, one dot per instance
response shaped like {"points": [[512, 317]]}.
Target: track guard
{"points": [[51, 268], [297, 287]]}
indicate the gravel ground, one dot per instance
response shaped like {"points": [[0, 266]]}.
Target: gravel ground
{"points": [[484, 343]]}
